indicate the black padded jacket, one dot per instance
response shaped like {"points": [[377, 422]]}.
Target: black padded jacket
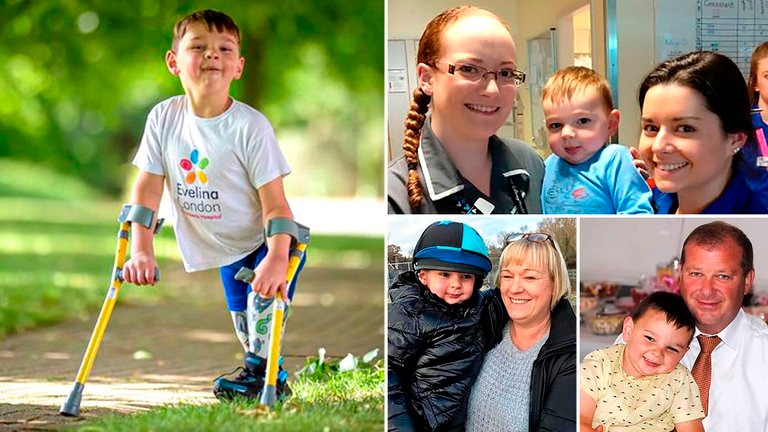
{"points": [[435, 354]]}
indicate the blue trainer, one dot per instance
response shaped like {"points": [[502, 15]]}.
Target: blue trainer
{"points": [[249, 383]]}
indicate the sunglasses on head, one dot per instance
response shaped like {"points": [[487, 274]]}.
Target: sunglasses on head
{"points": [[531, 237]]}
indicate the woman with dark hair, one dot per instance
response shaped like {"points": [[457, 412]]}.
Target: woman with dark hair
{"points": [[453, 162], [695, 121]]}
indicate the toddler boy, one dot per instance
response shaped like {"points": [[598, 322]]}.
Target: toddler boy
{"points": [[584, 175], [640, 385]]}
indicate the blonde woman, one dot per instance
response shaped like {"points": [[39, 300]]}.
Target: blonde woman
{"points": [[528, 380]]}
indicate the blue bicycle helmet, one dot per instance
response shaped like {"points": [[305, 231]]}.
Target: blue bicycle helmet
{"points": [[452, 246]]}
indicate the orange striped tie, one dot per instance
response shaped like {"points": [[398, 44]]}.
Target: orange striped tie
{"points": [[702, 368]]}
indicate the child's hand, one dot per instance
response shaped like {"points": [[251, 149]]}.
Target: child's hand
{"points": [[270, 277], [140, 269]]}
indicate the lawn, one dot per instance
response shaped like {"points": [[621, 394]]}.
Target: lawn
{"points": [[338, 396]]}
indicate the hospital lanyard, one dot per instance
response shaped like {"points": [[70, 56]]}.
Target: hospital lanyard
{"points": [[761, 143], [517, 196]]}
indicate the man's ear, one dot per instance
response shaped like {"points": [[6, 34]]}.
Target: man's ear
{"points": [[425, 76], [170, 62], [748, 280]]}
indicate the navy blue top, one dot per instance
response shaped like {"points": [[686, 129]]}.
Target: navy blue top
{"points": [[737, 198], [757, 163]]}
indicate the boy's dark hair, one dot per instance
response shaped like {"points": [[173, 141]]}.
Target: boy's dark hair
{"points": [[672, 305], [212, 19]]}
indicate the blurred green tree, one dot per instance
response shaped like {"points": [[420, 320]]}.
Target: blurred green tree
{"points": [[79, 78]]}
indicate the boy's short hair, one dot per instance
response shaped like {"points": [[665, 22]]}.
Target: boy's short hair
{"points": [[672, 305], [212, 19], [565, 82]]}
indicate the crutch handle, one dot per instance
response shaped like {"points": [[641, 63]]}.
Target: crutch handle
{"points": [[245, 275], [119, 274]]}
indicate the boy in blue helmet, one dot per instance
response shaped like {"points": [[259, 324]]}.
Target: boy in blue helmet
{"points": [[436, 344]]}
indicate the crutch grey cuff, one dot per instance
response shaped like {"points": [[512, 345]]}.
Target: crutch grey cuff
{"points": [[299, 232], [137, 213]]}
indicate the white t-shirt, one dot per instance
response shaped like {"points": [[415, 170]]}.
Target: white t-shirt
{"points": [[213, 168]]}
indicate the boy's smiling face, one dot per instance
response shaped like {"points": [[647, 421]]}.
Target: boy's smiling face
{"points": [[453, 287], [654, 345], [206, 60]]}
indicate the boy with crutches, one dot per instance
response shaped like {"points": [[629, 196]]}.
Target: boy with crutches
{"points": [[220, 162]]}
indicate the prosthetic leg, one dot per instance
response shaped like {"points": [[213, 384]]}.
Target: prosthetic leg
{"points": [[130, 213], [300, 236]]}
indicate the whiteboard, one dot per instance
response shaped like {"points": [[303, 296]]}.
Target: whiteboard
{"points": [[730, 27], [675, 35]]}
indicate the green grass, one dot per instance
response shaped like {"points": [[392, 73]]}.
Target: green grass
{"points": [[23, 179], [57, 247], [324, 400]]}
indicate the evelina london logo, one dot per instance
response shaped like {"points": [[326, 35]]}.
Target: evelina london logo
{"points": [[194, 167]]}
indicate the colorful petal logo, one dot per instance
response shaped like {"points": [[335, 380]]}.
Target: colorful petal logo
{"points": [[188, 165]]}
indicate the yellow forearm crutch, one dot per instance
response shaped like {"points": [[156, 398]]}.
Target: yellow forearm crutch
{"points": [[129, 214], [300, 234]]}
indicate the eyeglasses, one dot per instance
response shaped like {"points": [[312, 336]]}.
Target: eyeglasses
{"points": [[473, 73], [532, 237]]}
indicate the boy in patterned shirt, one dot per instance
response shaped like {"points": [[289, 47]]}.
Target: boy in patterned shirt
{"points": [[640, 385]]}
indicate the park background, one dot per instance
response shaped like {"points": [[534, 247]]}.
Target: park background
{"points": [[77, 83]]}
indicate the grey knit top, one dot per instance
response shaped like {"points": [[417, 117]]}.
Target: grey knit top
{"points": [[500, 398]]}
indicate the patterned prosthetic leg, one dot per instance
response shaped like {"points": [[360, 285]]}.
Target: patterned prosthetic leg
{"points": [[240, 321], [259, 316], [252, 327]]}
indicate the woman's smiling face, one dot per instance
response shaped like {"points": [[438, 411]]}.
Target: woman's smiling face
{"points": [[526, 292], [465, 109], [683, 142]]}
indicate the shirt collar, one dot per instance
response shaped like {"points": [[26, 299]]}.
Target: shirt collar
{"points": [[757, 119], [730, 334], [440, 174]]}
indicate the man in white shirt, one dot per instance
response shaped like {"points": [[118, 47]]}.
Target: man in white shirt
{"points": [[716, 272]]}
